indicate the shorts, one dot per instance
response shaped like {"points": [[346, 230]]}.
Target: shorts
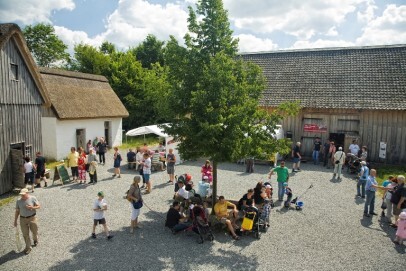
{"points": [[134, 212], [223, 220], [29, 178], [117, 164], [170, 169], [146, 178], [296, 159], [40, 174], [99, 221], [75, 172]]}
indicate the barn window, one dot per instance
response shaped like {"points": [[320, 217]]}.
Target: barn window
{"points": [[28, 151], [14, 71]]}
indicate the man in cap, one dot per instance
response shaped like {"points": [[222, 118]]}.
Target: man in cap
{"points": [[26, 208], [339, 158]]}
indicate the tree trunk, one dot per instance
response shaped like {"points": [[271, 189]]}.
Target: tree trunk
{"points": [[214, 194]]}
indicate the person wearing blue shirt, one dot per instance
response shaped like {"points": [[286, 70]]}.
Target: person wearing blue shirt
{"points": [[362, 180], [370, 189]]}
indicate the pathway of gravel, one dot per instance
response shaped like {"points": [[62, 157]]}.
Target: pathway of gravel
{"points": [[328, 234]]}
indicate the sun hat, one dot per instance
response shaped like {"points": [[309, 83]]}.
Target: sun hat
{"points": [[23, 191], [285, 184], [402, 215]]}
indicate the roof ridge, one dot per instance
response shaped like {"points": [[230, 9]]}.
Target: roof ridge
{"points": [[72, 74], [325, 49]]}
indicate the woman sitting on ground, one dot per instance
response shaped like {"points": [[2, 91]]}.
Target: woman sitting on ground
{"points": [[246, 200], [259, 195]]}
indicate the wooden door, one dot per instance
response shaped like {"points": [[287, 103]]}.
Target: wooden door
{"points": [[17, 166], [81, 138]]}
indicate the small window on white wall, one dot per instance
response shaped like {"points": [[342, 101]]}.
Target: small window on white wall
{"points": [[14, 71]]}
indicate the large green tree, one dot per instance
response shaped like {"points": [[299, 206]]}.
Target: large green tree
{"points": [[150, 52], [45, 45], [140, 89], [214, 100]]}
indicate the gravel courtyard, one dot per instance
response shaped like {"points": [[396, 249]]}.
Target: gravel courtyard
{"points": [[330, 232]]}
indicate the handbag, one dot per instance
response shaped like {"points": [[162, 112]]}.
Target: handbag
{"points": [[137, 204], [338, 161], [384, 206]]}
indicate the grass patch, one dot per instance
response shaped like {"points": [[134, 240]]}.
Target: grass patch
{"points": [[138, 141], [7, 199], [383, 172]]}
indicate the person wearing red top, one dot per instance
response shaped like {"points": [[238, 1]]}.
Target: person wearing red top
{"points": [[207, 171], [82, 165]]}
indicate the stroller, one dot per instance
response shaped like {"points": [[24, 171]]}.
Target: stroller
{"points": [[298, 201], [353, 163], [200, 224], [253, 222]]}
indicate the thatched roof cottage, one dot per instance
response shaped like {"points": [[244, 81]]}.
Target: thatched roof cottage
{"points": [[84, 106]]}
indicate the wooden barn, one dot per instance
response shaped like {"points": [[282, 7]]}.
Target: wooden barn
{"points": [[345, 94], [22, 98], [83, 107]]}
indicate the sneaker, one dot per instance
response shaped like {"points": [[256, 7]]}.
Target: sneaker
{"points": [[37, 186], [298, 169], [109, 237], [93, 235], [27, 251], [46, 184], [91, 182], [373, 213], [114, 175], [367, 215], [35, 243]]}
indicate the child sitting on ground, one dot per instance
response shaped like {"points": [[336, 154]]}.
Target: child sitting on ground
{"points": [[401, 231], [289, 193]]}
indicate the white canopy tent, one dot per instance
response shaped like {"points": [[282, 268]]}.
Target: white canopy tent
{"points": [[151, 129], [154, 129]]}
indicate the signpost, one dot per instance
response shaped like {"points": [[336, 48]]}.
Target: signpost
{"points": [[61, 173]]}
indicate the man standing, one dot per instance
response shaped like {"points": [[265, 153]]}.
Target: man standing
{"points": [[26, 208], [331, 152], [362, 180], [73, 157], [370, 188], [354, 148], [283, 177], [339, 159], [316, 150], [40, 169], [131, 158], [102, 147], [296, 157]]}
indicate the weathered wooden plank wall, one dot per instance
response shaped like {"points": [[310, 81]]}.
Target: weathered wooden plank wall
{"points": [[372, 127], [20, 107]]}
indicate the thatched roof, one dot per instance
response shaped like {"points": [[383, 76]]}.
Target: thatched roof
{"points": [[13, 32], [372, 77], [76, 95]]}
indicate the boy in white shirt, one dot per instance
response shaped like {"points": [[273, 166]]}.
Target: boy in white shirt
{"points": [[99, 206]]}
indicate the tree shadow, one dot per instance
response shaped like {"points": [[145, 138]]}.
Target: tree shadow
{"points": [[153, 247]]}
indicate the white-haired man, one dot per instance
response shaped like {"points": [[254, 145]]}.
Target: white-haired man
{"points": [[339, 158]]}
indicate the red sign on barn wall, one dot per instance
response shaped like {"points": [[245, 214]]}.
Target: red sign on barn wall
{"points": [[314, 128]]}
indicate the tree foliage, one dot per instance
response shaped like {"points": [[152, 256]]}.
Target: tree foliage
{"points": [[45, 45], [214, 99], [150, 52], [140, 89]]}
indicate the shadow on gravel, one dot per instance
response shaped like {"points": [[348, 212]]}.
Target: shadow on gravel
{"points": [[12, 255], [391, 233], [359, 201], [153, 247]]}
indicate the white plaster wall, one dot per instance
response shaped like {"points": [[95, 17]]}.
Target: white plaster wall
{"points": [[66, 133], [49, 141]]}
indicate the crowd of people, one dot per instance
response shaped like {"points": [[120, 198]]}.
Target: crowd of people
{"points": [[185, 197]]}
